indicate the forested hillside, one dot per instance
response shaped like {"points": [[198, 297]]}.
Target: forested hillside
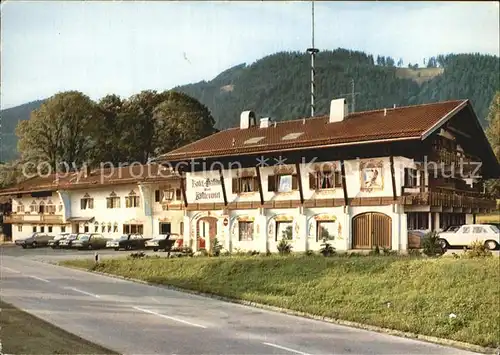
{"points": [[279, 86], [10, 118]]}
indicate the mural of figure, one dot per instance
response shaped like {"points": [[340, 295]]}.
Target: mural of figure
{"points": [[340, 231]]}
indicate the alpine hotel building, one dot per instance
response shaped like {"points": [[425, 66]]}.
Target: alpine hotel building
{"points": [[359, 180]]}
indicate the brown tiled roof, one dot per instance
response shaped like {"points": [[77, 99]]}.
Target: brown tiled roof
{"points": [[97, 177], [399, 123]]}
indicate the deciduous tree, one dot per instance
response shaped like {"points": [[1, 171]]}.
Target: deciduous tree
{"points": [[60, 131], [179, 120]]}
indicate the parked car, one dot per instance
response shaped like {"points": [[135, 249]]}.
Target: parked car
{"points": [[68, 241], [54, 243], [485, 233], [90, 241], [128, 242], [451, 229], [35, 240], [164, 241]]}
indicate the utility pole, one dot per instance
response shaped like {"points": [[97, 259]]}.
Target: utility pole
{"points": [[313, 52], [353, 94]]}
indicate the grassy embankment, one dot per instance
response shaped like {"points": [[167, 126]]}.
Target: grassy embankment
{"points": [[403, 293], [22, 333]]}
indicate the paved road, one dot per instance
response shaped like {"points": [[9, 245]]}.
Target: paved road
{"points": [[138, 319]]}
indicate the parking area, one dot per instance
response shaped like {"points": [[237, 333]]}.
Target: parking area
{"points": [[54, 255], [48, 254]]}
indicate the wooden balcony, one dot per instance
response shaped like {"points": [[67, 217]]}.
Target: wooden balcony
{"points": [[449, 158], [451, 200], [33, 219]]}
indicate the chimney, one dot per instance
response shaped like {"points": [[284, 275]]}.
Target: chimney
{"points": [[338, 110], [247, 119], [264, 122], [385, 112]]}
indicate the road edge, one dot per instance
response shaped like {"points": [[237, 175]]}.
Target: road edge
{"points": [[427, 338]]}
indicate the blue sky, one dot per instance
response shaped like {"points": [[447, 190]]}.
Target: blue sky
{"points": [[124, 47]]}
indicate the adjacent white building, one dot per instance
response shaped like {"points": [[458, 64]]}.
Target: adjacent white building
{"points": [[133, 199]]}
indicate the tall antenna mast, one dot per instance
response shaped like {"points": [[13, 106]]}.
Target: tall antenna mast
{"points": [[313, 52]]}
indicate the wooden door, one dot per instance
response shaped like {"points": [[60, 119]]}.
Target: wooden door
{"points": [[371, 229]]}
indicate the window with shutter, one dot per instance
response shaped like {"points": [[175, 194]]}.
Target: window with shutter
{"points": [[236, 185], [295, 182], [255, 183], [312, 181], [271, 183], [338, 179]]}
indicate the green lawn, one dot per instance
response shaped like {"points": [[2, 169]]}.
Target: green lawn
{"points": [[403, 293], [22, 333]]}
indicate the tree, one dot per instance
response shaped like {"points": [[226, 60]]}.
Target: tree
{"points": [[137, 116], [109, 145], [179, 120], [493, 134], [59, 131], [400, 62], [432, 63]]}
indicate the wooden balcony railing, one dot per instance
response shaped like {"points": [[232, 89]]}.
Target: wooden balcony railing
{"points": [[33, 218], [450, 200], [449, 158]]}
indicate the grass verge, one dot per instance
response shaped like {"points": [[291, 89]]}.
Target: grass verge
{"points": [[408, 294], [22, 333]]}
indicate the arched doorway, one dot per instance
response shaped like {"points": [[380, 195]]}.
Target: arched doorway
{"points": [[206, 227], [371, 229]]}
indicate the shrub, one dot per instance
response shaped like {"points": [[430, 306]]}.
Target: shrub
{"points": [[326, 248], [186, 251], [375, 251], [284, 247], [136, 255], [216, 248], [224, 252], [414, 252], [201, 252], [477, 250], [253, 252], [431, 244], [309, 253], [387, 251]]}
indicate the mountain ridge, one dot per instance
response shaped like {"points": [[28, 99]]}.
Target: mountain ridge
{"points": [[278, 86]]}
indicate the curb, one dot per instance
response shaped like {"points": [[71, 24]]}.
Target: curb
{"points": [[402, 334]]}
